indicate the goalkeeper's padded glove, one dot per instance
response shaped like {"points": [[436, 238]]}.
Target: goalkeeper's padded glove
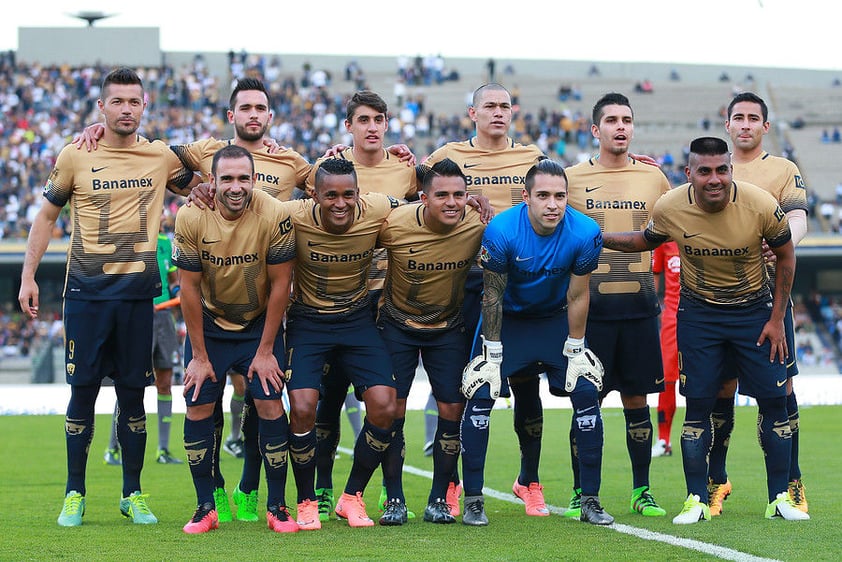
{"points": [[581, 362], [483, 370]]}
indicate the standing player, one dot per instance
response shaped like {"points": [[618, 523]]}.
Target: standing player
{"points": [[116, 198], [495, 166], [330, 319], [164, 356], [235, 263], [748, 122], [727, 313], [537, 259], [666, 263], [431, 247], [378, 171], [618, 192]]}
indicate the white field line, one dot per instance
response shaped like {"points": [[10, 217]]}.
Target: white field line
{"points": [[644, 534]]}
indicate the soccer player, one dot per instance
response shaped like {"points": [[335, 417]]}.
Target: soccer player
{"points": [[378, 171], [116, 198], [537, 259], [726, 309], [235, 263], [431, 247], [666, 264], [495, 166], [330, 320], [747, 124], [618, 192], [165, 348]]}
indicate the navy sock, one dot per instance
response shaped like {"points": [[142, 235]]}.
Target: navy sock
{"points": [[252, 458], [393, 462], [792, 413], [529, 427], [445, 457], [475, 423], [723, 424], [78, 433], [776, 441], [696, 438], [328, 433], [302, 451], [199, 443], [131, 433], [368, 453], [273, 447], [588, 431], [639, 443]]}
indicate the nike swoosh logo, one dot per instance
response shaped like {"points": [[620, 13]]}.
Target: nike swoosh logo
{"points": [[188, 445], [413, 251], [449, 436], [273, 447], [311, 243], [638, 424], [585, 410], [95, 170], [660, 380], [138, 418], [466, 165], [589, 189], [518, 258], [480, 410], [205, 241], [780, 383], [691, 235]]}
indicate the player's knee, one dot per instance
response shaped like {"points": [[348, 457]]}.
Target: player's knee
{"points": [[238, 381]]}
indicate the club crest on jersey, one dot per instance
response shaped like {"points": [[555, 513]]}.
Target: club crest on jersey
{"points": [[484, 256]]}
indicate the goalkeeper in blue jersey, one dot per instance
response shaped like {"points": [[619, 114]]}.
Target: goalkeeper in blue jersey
{"points": [[537, 259]]}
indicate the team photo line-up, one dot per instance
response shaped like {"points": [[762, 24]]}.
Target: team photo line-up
{"points": [[310, 286]]}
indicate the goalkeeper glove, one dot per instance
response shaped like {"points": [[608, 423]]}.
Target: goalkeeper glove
{"points": [[581, 362], [484, 369]]}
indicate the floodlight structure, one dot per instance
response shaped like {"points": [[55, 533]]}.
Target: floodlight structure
{"points": [[91, 17]]}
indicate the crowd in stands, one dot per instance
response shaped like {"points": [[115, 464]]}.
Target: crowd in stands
{"points": [[44, 106]]}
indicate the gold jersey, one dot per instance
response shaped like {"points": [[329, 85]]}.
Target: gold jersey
{"points": [[233, 256], [276, 174], [721, 255], [619, 200], [116, 197], [499, 175], [425, 284], [390, 177], [332, 269]]}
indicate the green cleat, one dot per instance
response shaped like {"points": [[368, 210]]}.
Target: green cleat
{"points": [[112, 457], [246, 505], [574, 509], [643, 503], [164, 457], [135, 507], [72, 510], [223, 508], [326, 503]]}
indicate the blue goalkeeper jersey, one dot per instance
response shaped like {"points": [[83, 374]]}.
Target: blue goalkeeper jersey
{"points": [[539, 267]]}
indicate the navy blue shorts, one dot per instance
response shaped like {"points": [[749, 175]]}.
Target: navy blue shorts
{"points": [[532, 346], [630, 351], [442, 352], [108, 339], [791, 363], [352, 341], [232, 353], [708, 335]]}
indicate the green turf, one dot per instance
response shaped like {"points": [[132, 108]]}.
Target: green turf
{"points": [[32, 475]]}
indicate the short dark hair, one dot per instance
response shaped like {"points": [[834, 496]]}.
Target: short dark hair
{"points": [[334, 167], [231, 151], [245, 85], [708, 146], [751, 98], [123, 76], [544, 166], [365, 98], [444, 168], [492, 86], [611, 98]]}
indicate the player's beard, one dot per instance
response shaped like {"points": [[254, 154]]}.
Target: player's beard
{"points": [[247, 135]]}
